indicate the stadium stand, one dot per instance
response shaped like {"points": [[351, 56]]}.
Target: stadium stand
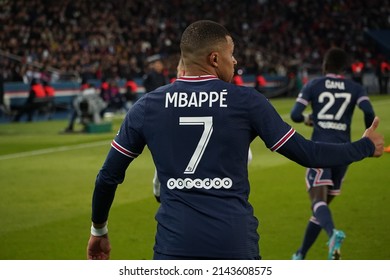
{"points": [[93, 40]]}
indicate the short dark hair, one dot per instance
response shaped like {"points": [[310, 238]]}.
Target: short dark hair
{"points": [[202, 35], [336, 60]]}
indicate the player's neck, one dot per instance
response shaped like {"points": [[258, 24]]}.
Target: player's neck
{"points": [[199, 71]]}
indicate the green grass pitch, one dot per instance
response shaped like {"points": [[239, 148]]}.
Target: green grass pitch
{"points": [[47, 179]]}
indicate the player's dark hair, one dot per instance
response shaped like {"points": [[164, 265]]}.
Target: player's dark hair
{"points": [[336, 60], [202, 34]]}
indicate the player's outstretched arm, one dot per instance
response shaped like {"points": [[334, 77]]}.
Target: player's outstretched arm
{"points": [[99, 248], [375, 137]]}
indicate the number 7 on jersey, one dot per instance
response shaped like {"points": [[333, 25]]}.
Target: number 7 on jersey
{"points": [[207, 123]]}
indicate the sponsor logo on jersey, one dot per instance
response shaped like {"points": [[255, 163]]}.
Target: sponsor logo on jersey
{"points": [[333, 125], [207, 183]]}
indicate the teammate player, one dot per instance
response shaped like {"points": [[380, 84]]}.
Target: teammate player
{"points": [[333, 99], [198, 130]]}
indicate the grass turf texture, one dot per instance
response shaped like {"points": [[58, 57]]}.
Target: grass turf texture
{"points": [[45, 198]]}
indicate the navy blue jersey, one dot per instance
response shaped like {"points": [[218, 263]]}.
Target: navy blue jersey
{"points": [[198, 130], [333, 99]]}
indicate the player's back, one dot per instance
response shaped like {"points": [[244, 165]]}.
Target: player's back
{"points": [[199, 133], [333, 99]]}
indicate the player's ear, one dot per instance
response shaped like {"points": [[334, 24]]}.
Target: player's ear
{"points": [[213, 59]]}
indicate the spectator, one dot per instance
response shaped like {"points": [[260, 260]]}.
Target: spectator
{"points": [[131, 94], [357, 68], [50, 95], [237, 78], [105, 95], [118, 100], [260, 82], [279, 27], [383, 74], [36, 100], [3, 108], [155, 76], [105, 92]]}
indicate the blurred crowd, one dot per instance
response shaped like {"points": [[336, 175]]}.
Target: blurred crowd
{"points": [[112, 39]]}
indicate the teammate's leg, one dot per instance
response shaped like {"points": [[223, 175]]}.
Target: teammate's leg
{"points": [[321, 183], [319, 201], [312, 231], [323, 214], [318, 197], [335, 241]]}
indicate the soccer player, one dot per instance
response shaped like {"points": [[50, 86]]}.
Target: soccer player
{"points": [[198, 130], [156, 182], [333, 99]]}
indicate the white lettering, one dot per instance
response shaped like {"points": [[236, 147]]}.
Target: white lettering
{"points": [[196, 99], [214, 96], [222, 100], [203, 96], [183, 99], [193, 101], [171, 99], [334, 84], [206, 183], [333, 125]]}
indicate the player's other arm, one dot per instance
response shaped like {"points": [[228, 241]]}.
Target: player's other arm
{"points": [[319, 154], [297, 115], [111, 174], [368, 111]]}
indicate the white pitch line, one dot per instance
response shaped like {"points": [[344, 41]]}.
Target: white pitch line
{"points": [[54, 150]]}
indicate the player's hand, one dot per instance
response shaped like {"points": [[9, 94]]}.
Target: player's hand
{"points": [[375, 137], [308, 120], [99, 248]]}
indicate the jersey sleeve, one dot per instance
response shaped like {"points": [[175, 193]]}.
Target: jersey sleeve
{"points": [[363, 102], [297, 112], [321, 154], [126, 146], [300, 105], [129, 140], [268, 124]]}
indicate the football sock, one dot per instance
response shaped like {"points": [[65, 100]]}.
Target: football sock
{"points": [[322, 213], [313, 229]]}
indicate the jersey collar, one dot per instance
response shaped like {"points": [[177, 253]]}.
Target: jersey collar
{"points": [[197, 78], [331, 75]]}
